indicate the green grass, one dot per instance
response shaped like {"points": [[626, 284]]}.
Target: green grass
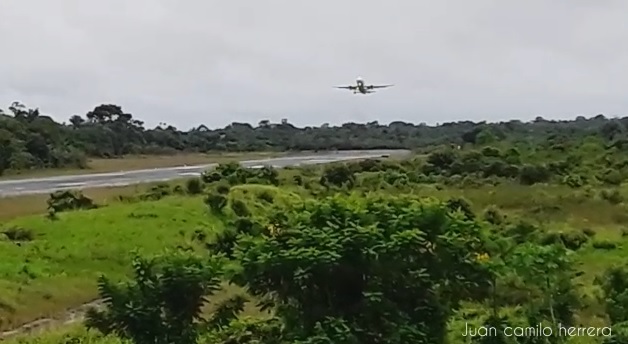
{"points": [[253, 196], [63, 335], [59, 268], [13, 207]]}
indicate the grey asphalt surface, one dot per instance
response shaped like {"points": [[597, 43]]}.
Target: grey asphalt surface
{"points": [[51, 184]]}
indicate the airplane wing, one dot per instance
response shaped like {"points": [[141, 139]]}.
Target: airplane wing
{"points": [[370, 87], [347, 87]]}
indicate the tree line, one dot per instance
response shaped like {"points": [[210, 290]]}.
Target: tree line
{"points": [[31, 140]]}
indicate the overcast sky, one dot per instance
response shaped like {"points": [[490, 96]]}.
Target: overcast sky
{"points": [[187, 62]]}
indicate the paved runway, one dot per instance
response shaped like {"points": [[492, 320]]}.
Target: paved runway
{"points": [[51, 184]]}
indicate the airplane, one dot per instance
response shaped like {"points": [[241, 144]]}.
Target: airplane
{"points": [[362, 88]]}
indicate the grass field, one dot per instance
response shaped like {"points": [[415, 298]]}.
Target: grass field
{"points": [[59, 267], [16, 206], [64, 335], [138, 162]]}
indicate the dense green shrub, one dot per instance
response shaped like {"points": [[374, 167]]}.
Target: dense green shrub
{"points": [[373, 236], [194, 186], [240, 208], [18, 234], [532, 174], [604, 244], [66, 200], [493, 215], [572, 240], [157, 192], [613, 196], [337, 175], [210, 177], [216, 202]]}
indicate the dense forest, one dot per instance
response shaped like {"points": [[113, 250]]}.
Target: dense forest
{"points": [[30, 140]]}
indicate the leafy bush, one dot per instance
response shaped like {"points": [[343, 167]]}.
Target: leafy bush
{"points": [[163, 304], [572, 240], [60, 201], [337, 175], [493, 215], [194, 186], [19, 234], [245, 225], [491, 152], [532, 174], [611, 177], [573, 181], [604, 244], [209, 177], [522, 231], [370, 257], [240, 208], [269, 175], [157, 192], [441, 160], [461, 204], [216, 202], [614, 284], [223, 188], [619, 334], [266, 196], [224, 242], [588, 232], [612, 196]]}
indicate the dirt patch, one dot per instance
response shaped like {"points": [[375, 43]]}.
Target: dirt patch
{"points": [[68, 317]]}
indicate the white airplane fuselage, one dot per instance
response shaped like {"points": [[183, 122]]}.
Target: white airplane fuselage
{"points": [[361, 88]]}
